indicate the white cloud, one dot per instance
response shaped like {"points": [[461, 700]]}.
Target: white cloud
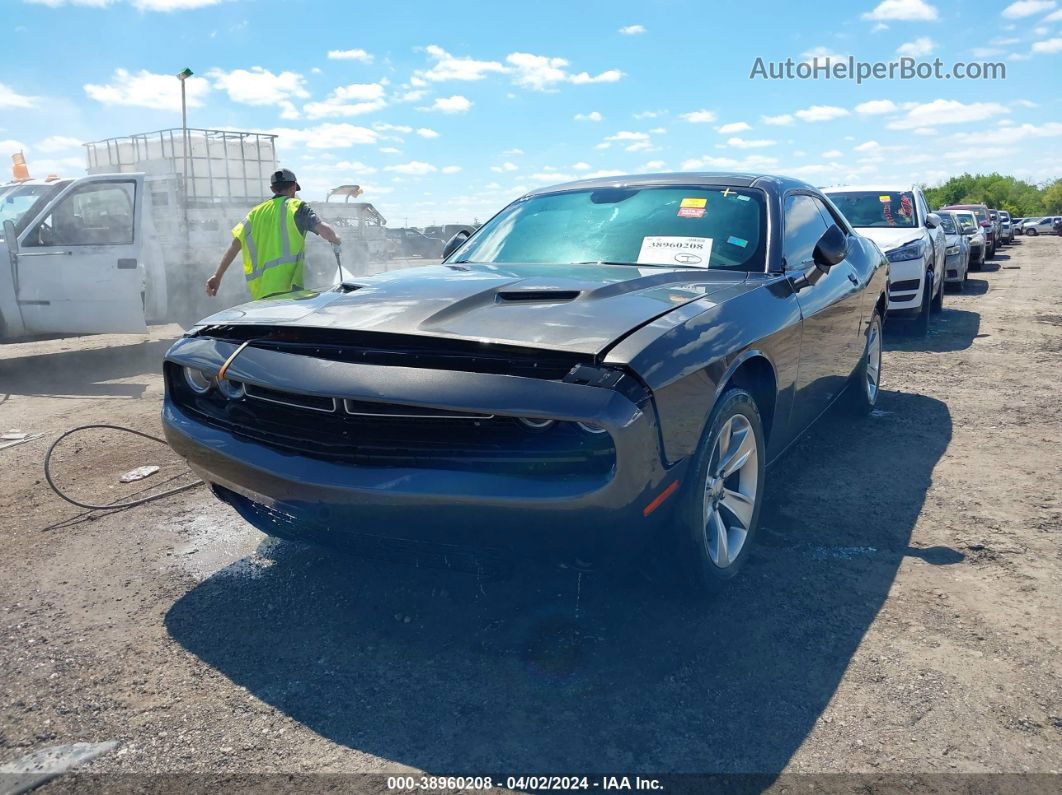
{"points": [[820, 113], [1026, 8], [742, 143], [923, 45], [581, 166], [1054, 16], [350, 100], [778, 121], [427, 132], [506, 166], [868, 146], [9, 98], [653, 165], [259, 86], [513, 152], [902, 10], [350, 55], [986, 52], [591, 116], [454, 104], [750, 163], [833, 153], [632, 30], [733, 127], [330, 135], [537, 72], [9, 147], [875, 106], [58, 143], [415, 168], [822, 54], [450, 169], [1049, 46], [924, 130], [635, 141], [551, 176], [649, 114], [1008, 136], [139, 5], [1024, 103], [148, 90], [381, 126], [946, 111], [390, 150], [451, 67], [698, 116], [608, 76]]}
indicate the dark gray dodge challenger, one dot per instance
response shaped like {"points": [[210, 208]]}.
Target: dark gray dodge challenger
{"points": [[603, 370]]}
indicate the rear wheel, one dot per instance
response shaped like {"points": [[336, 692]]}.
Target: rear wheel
{"points": [[1031, 231], [719, 514]]}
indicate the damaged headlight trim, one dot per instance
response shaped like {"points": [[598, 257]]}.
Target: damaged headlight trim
{"points": [[198, 381]]}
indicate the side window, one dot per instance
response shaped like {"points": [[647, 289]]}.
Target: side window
{"points": [[828, 217], [97, 214], [923, 207], [803, 228]]}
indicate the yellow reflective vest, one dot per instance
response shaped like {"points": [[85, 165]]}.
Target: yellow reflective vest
{"points": [[273, 247]]}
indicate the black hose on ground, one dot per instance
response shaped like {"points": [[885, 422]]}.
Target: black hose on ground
{"points": [[115, 505]]}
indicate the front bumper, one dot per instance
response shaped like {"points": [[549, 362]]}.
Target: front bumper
{"points": [[906, 279], [954, 268], [335, 503]]}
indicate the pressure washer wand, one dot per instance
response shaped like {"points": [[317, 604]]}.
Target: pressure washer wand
{"points": [[336, 248]]}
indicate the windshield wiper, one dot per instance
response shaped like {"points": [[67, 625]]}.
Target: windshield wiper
{"points": [[635, 264]]}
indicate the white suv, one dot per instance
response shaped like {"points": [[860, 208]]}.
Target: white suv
{"points": [[899, 221]]}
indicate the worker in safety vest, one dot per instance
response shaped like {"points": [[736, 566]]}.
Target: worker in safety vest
{"points": [[273, 240]]}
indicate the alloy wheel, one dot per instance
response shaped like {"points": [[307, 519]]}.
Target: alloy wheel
{"points": [[730, 491]]}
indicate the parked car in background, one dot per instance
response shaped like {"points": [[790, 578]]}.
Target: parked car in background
{"points": [[1039, 226], [899, 221], [980, 211], [975, 236], [1006, 227], [1058, 225], [1015, 225], [414, 243], [957, 251], [997, 225], [603, 370]]}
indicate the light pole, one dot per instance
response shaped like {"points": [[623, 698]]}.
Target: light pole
{"points": [[183, 76]]}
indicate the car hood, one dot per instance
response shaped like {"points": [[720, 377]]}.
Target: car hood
{"points": [[890, 238], [582, 308]]}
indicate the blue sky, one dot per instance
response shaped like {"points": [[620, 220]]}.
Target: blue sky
{"points": [[446, 111]]}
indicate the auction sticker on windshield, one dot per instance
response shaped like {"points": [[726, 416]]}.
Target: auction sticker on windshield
{"points": [[674, 250]]}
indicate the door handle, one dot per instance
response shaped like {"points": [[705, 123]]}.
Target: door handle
{"points": [[43, 253], [852, 278]]}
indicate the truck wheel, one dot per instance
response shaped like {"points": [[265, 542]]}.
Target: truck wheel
{"points": [[717, 519]]}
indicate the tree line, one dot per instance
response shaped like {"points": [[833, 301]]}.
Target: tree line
{"points": [[1016, 196]]}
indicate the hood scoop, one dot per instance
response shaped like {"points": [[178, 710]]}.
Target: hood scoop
{"points": [[536, 296]]}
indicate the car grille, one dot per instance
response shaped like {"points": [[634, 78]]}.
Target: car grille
{"points": [[906, 285], [390, 435]]}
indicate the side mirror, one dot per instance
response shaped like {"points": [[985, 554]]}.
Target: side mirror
{"points": [[455, 243], [932, 220], [831, 248]]}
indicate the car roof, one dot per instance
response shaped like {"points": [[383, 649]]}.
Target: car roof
{"points": [[768, 182], [964, 207]]}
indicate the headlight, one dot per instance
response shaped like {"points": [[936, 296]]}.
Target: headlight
{"points": [[536, 424], [233, 390], [198, 381], [951, 250], [914, 250], [591, 428]]}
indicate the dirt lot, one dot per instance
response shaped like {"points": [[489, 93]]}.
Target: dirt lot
{"points": [[900, 615]]}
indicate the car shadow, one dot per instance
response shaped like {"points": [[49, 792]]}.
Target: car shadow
{"points": [[951, 330], [84, 373], [989, 266], [559, 671], [973, 287]]}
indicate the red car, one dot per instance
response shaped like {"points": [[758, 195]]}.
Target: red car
{"points": [[980, 212]]}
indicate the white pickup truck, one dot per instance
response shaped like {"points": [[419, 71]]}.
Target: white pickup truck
{"points": [[133, 242]]}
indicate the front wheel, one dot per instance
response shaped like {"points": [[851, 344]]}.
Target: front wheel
{"points": [[719, 514], [862, 393], [1032, 232], [938, 300], [921, 323]]}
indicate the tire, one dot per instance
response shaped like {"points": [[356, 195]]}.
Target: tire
{"points": [[861, 396], [991, 251], [1031, 231], [921, 323], [937, 303], [705, 564]]}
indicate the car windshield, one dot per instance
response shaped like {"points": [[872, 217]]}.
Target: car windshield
{"points": [[876, 208], [701, 227], [948, 225], [967, 221], [981, 215], [15, 203]]}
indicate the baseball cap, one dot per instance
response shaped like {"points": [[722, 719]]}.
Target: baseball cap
{"points": [[284, 175]]}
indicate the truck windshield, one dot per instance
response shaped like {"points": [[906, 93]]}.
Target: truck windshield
{"points": [[17, 203], [693, 227], [876, 208]]}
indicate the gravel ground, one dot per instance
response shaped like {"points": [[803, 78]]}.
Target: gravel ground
{"points": [[899, 616]]}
